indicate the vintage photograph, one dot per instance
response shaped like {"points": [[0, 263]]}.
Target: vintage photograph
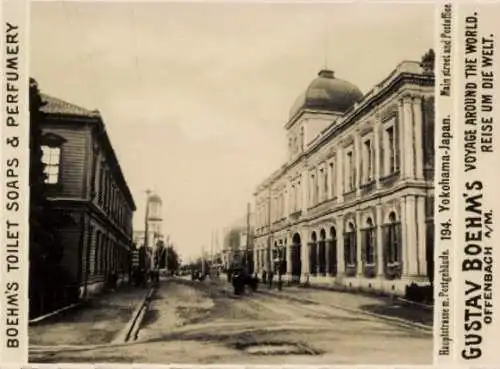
{"points": [[234, 183]]}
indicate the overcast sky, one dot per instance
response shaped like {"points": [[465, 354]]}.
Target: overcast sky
{"points": [[195, 96]]}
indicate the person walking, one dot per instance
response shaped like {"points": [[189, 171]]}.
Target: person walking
{"points": [[271, 276]]}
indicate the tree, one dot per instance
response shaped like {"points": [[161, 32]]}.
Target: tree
{"points": [[173, 260]]}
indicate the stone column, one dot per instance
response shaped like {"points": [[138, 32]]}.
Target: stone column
{"points": [[418, 130], [266, 257], [289, 251], [357, 153], [304, 191], [403, 240], [331, 176], [401, 139], [380, 242], [359, 239], [304, 257], [408, 149], [411, 236], [340, 175], [340, 247], [421, 236], [376, 138], [327, 257], [318, 259]]}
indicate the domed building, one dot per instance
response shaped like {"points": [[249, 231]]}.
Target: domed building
{"points": [[327, 93], [324, 100], [353, 204]]}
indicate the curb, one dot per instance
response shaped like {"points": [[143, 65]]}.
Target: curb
{"points": [[130, 331], [54, 313], [416, 304]]}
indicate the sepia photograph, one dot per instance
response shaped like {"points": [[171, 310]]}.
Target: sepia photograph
{"points": [[231, 183]]}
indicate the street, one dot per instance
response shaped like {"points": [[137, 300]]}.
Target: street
{"points": [[203, 322]]}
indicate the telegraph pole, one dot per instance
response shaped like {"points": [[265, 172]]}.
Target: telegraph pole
{"points": [[146, 229], [248, 240]]}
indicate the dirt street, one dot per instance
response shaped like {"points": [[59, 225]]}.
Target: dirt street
{"points": [[202, 322]]}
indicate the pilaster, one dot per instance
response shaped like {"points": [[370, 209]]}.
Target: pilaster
{"points": [[411, 236], [357, 153], [418, 127], [289, 252], [376, 138], [401, 139], [421, 236], [304, 250], [409, 146], [340, 247], [380, 242], [340, 175], [359, 239], [327, 256]]}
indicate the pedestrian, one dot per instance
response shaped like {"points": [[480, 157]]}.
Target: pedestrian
{"points": [[264, 276], [271, 275]]}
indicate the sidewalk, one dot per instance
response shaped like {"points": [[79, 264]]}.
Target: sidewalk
{"points": [[371, 304], [96, 321], [383, 306]]}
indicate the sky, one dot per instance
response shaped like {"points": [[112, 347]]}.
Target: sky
{"points": [[194, 96]]}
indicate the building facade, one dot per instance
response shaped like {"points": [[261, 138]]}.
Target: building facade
{"points": [[239, 243], [353, 205], [85, 180]]}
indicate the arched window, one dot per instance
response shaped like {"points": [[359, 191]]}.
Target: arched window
{"points": [[393, 243], [369, 244], [350, 245], [332, 252], [313, 254]]}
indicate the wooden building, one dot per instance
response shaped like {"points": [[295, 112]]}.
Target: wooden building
{"points": [[85, 180]]}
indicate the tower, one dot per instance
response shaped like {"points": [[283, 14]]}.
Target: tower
{"points": [[154, 220]]}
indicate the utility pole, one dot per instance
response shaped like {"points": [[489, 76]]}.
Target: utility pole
{"points": [[167, 245], [203, 260], [146, 229], [248, 240]]}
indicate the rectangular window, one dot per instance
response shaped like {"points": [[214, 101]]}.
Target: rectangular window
{"points": [[368, 160], [326, 194], [390, 150], [311, 191], [51, 157], [299, 194], [332, 180], [350, 175], [316, 190]]}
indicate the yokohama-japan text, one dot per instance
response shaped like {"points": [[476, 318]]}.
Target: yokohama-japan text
{"points": [[478, 141]]}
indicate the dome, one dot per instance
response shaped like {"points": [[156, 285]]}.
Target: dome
{"points": [[155, 199], [326, 92]]}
